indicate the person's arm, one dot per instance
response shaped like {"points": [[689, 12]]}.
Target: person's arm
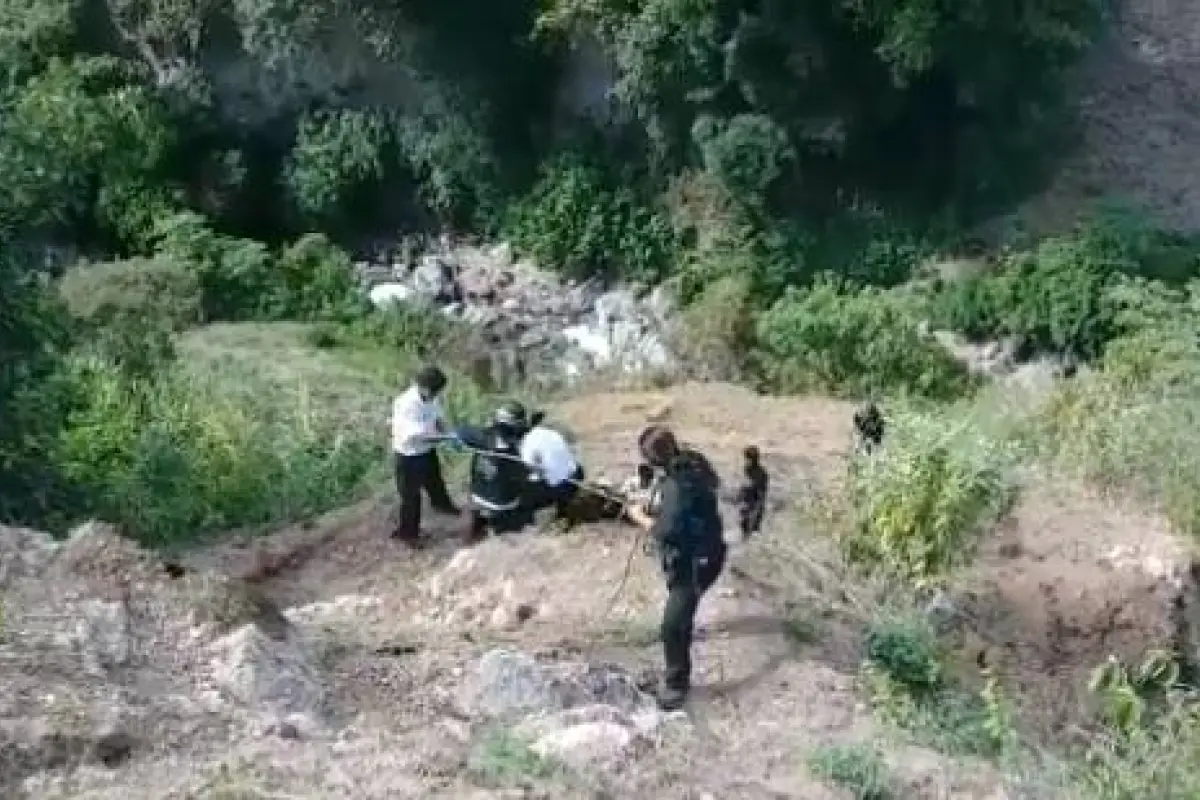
{"points": [[472, 437], [668, 512]]}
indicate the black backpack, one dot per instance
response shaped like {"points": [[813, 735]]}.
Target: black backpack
{"points": [[700, 526]]}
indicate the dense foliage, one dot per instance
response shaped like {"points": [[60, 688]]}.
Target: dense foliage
{"points": [[166, 166]]}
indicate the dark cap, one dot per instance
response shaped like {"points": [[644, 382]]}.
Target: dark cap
{"points": [[511, 413], [431, 379]]}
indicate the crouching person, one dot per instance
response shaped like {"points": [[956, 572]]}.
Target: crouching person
{"points": [[555, 471], [497, 475]]}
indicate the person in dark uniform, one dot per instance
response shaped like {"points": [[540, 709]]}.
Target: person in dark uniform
{"points": [[869, 427], [497, 474], [418, 422], [752, 495], [688, 532]]}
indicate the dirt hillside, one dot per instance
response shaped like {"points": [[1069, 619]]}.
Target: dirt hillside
{"points": [[519, 668]]}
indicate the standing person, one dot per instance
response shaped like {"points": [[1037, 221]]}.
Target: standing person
{"points": [[869, 427], [752, 495], [556, 471], [498, 476], [417, 423], [689, 533]]}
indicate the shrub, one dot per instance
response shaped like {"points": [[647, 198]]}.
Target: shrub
{"points": [[186, 453], [1053, 299], [832, 338], [580, 222], [235, 275], [145, 288], [1157, 760], [337, 153], [748, 154], [34, 336], [409, 327], [920, 505], [314, 280], [1131, 425], [716, 331]]}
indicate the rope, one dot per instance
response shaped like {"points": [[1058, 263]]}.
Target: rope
{"points": [[600, 491]]}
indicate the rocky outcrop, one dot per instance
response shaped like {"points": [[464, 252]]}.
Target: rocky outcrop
{"points": [[580, 714], [546, 328]]}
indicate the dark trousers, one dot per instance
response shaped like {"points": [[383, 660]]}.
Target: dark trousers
{"points": [[413, 474], [476, 524], [560, 497], [687, 581]]}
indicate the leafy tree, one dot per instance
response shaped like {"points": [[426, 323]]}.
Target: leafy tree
{"points": [[84, 148], [34, 335]]}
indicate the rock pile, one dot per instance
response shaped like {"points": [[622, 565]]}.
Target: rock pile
{"points": [[105, 657], [580, 714], [559, 329]]}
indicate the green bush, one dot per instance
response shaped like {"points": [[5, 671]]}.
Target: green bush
{"points": [[35, 334], [749, 154], [716, 331], [84, 144], [1052, 299], [158, 289], [920, 506], [235, 275], [1130, 426], [313, 280], [835, 339], [183, 454], [241, 279], [578, 221], [337, 154]]}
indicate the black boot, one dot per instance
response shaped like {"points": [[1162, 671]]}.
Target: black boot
{"points": [[672, 698]]}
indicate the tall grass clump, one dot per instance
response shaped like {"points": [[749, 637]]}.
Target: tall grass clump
{"points": [[1132, 426], [919, 506], [188, 453]]}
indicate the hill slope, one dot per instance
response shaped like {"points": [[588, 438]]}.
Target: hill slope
{"points": [[446, 673]]}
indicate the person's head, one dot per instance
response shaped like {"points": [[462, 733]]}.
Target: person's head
{"points": [[658, 446], [430, 381], [537, 418], [510, 416], [751, 455]]}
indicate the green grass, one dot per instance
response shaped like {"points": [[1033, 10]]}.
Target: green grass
{"points": [[860, 769], [505, 758], [254, 425]]}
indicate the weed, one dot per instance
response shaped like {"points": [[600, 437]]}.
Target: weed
{"points": [[859, 769], [506, 758]]}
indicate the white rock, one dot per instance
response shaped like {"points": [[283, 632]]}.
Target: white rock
{"points": [[384, 295], [104, 636], [258, 671], [585, 745]]}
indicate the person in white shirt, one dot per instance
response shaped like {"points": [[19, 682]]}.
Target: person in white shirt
{"points": [[417, 423], [556, 471]]}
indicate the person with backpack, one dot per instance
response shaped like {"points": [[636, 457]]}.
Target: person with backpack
{"points": [[689, 535], [497, 474]]}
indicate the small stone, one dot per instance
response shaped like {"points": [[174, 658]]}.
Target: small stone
{"points": [[113, 748], [287, 730]]}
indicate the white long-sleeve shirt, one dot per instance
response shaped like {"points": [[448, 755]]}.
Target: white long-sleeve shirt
{"points": [[548, 450], [414, 417]]}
